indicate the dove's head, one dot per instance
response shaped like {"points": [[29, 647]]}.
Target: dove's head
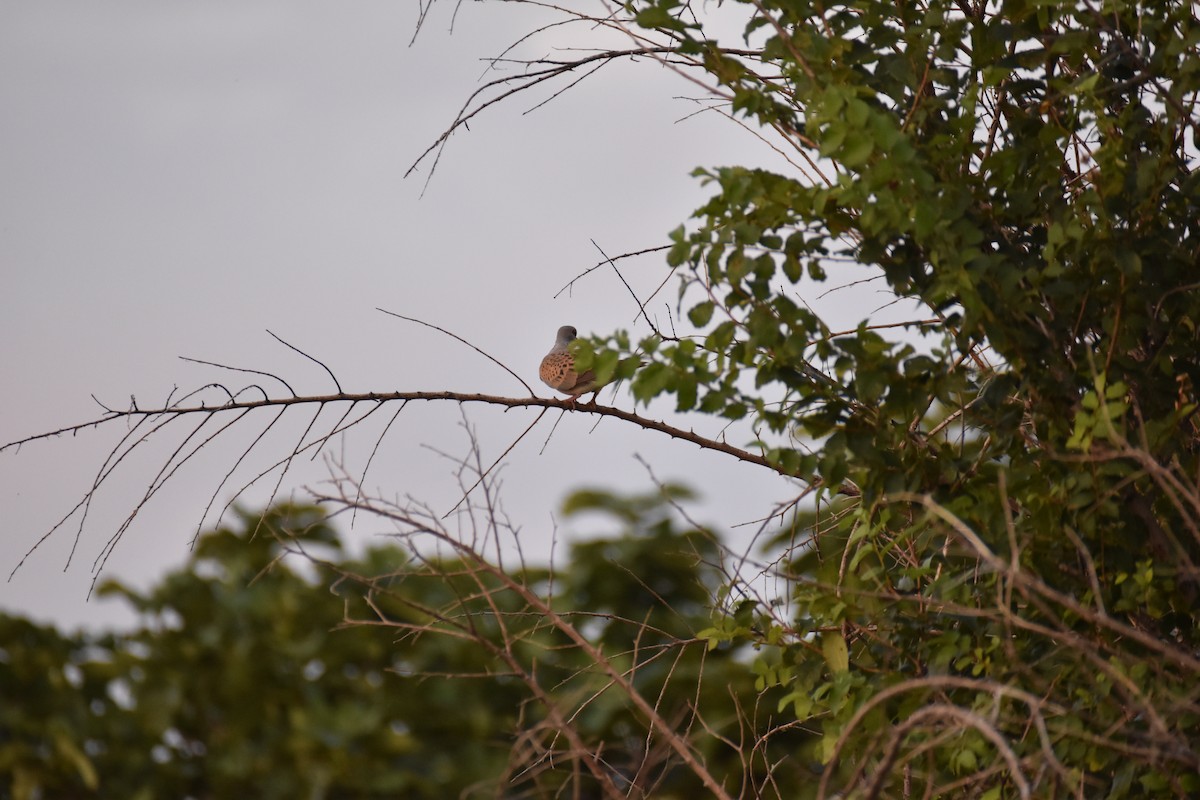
{"points": [[566, 334]]}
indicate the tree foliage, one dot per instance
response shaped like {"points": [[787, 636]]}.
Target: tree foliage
{"points": [[1010, 607], [246, 678], [239, 683]]}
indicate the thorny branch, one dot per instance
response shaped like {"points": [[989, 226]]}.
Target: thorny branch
{"points": [[165, 415], [168, 413]]}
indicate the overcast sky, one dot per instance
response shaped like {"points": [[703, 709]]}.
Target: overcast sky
{"points": [[178, 178]]}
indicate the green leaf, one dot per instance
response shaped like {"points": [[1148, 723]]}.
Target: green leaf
{"points": [[606, 365], [82, 764], [701, 313], [651, 381], [858, 147], [833, 646]]}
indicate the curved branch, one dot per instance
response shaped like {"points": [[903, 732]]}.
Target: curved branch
{"points": [[961, 717], [488, 356], [943, 682], [847, 487], [238, 369], [313, 359]]}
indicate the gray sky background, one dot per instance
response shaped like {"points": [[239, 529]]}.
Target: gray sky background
{"points": [[177, 178]]}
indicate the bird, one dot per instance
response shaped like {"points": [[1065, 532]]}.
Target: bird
{"points": [[558, 368]]}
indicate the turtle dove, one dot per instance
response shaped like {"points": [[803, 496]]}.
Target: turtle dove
{"points": [[558, 368]]}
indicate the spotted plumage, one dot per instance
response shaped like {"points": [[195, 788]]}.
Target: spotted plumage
{"points": [[558, 367]]}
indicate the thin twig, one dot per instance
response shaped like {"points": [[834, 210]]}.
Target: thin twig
{"points": [[488, 356], [310, 358]]}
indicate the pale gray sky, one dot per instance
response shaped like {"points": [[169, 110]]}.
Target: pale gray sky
{"points": [[177, 178]]}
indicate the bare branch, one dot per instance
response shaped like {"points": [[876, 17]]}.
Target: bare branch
{"points": [[846, 488], [488, 356], [310, 358], [242, 369]]}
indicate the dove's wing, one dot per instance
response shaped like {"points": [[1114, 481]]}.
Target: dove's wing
{"points": [[558, 372]]}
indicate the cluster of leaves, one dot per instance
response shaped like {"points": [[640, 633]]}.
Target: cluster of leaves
{"points": [[247, 679], [1024, 555], [239, 684]]}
